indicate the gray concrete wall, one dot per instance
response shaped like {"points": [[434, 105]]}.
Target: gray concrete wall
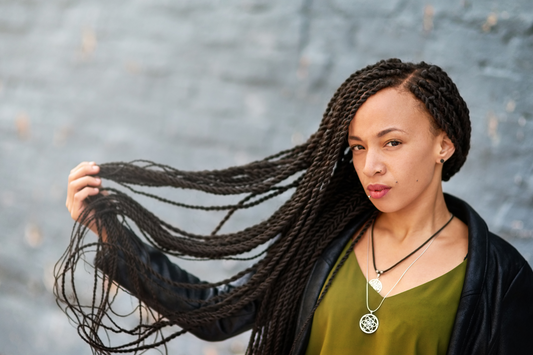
{"points": [[208, 84]]}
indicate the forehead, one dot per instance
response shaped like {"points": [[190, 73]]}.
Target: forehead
{"points": [[390, 107]]}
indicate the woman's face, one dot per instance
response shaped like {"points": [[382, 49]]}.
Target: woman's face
{"points": [[395, 153]]}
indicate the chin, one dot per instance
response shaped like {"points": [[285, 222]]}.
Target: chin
{"points": [[389, 204], [384, 208]]}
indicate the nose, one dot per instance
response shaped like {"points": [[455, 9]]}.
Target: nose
{"points": [[373, 163]]}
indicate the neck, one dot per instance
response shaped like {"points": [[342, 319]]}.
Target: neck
{"points": [[418, 220]]}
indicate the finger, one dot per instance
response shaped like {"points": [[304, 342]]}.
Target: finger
{"points": [[76, 185], [82, 170], [78, 202], [81, 165], [87, 180]]}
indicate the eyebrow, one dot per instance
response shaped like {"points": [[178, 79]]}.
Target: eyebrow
{"points": [[380, 134]]}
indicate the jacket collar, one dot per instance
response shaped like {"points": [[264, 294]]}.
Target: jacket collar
{"points": [[477, 244], [476, 270]]}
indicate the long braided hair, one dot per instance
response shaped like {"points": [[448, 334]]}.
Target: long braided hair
{"points": [[326, 195]]}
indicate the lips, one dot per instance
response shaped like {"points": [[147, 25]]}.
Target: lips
{"points": [[377, 190]]}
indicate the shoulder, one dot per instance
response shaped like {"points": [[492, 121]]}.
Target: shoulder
{"points": [[507, 273], [481, 239], [492, 258], [506, 259], [501, 248]]}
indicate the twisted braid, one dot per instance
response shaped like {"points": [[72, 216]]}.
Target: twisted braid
{"points": [[431, 85], [326, 195]]}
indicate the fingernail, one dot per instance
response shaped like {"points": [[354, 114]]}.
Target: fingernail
{"points": [[95, 167], [96, 189], [98, 180]]}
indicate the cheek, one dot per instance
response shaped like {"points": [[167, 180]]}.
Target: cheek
{"points": [[417, 166], [358, 166]]}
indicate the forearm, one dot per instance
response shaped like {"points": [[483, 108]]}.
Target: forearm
{"points": [[144, 279]]}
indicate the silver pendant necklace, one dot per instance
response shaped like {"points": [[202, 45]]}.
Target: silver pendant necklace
{"points": [[375, 283], [369, 323]]}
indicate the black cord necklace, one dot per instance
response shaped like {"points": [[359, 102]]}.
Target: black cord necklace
{"points": [[375, 283]]}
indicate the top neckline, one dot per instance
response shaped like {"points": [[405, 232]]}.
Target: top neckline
{"points": [[425, 284]]}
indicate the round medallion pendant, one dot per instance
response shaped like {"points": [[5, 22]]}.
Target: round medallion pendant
{"points": [[369, 323], [376, 285]]}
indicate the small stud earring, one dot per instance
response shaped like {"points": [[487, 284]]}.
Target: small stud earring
{"points": [[368, 196], [442, 161]]}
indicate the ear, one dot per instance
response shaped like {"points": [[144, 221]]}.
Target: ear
{"points": [[445, 147]]}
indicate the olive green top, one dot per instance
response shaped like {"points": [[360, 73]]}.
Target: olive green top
{"points": [[416, 321]]}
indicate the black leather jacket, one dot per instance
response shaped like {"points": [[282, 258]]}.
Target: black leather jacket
{"points": [[495, 313]]}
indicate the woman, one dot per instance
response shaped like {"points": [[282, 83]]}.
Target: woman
{"points": [[368, 206]]}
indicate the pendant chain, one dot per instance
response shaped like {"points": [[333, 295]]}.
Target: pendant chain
{"points": [[369, 323], [397, 282], [381, 272]]}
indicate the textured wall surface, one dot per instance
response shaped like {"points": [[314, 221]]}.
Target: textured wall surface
{"points": [[208, 84]]}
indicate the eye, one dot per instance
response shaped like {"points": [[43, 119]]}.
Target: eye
{"points": [[356, 147], [393, 143]]}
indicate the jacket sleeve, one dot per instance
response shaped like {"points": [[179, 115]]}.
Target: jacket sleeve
{"points": [[169, 299], [516, 328]]}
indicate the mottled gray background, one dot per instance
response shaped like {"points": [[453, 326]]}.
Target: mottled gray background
{"points": [[201, 84]]}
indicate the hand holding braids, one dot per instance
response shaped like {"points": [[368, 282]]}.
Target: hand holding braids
{"points": [[326, 196]]}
